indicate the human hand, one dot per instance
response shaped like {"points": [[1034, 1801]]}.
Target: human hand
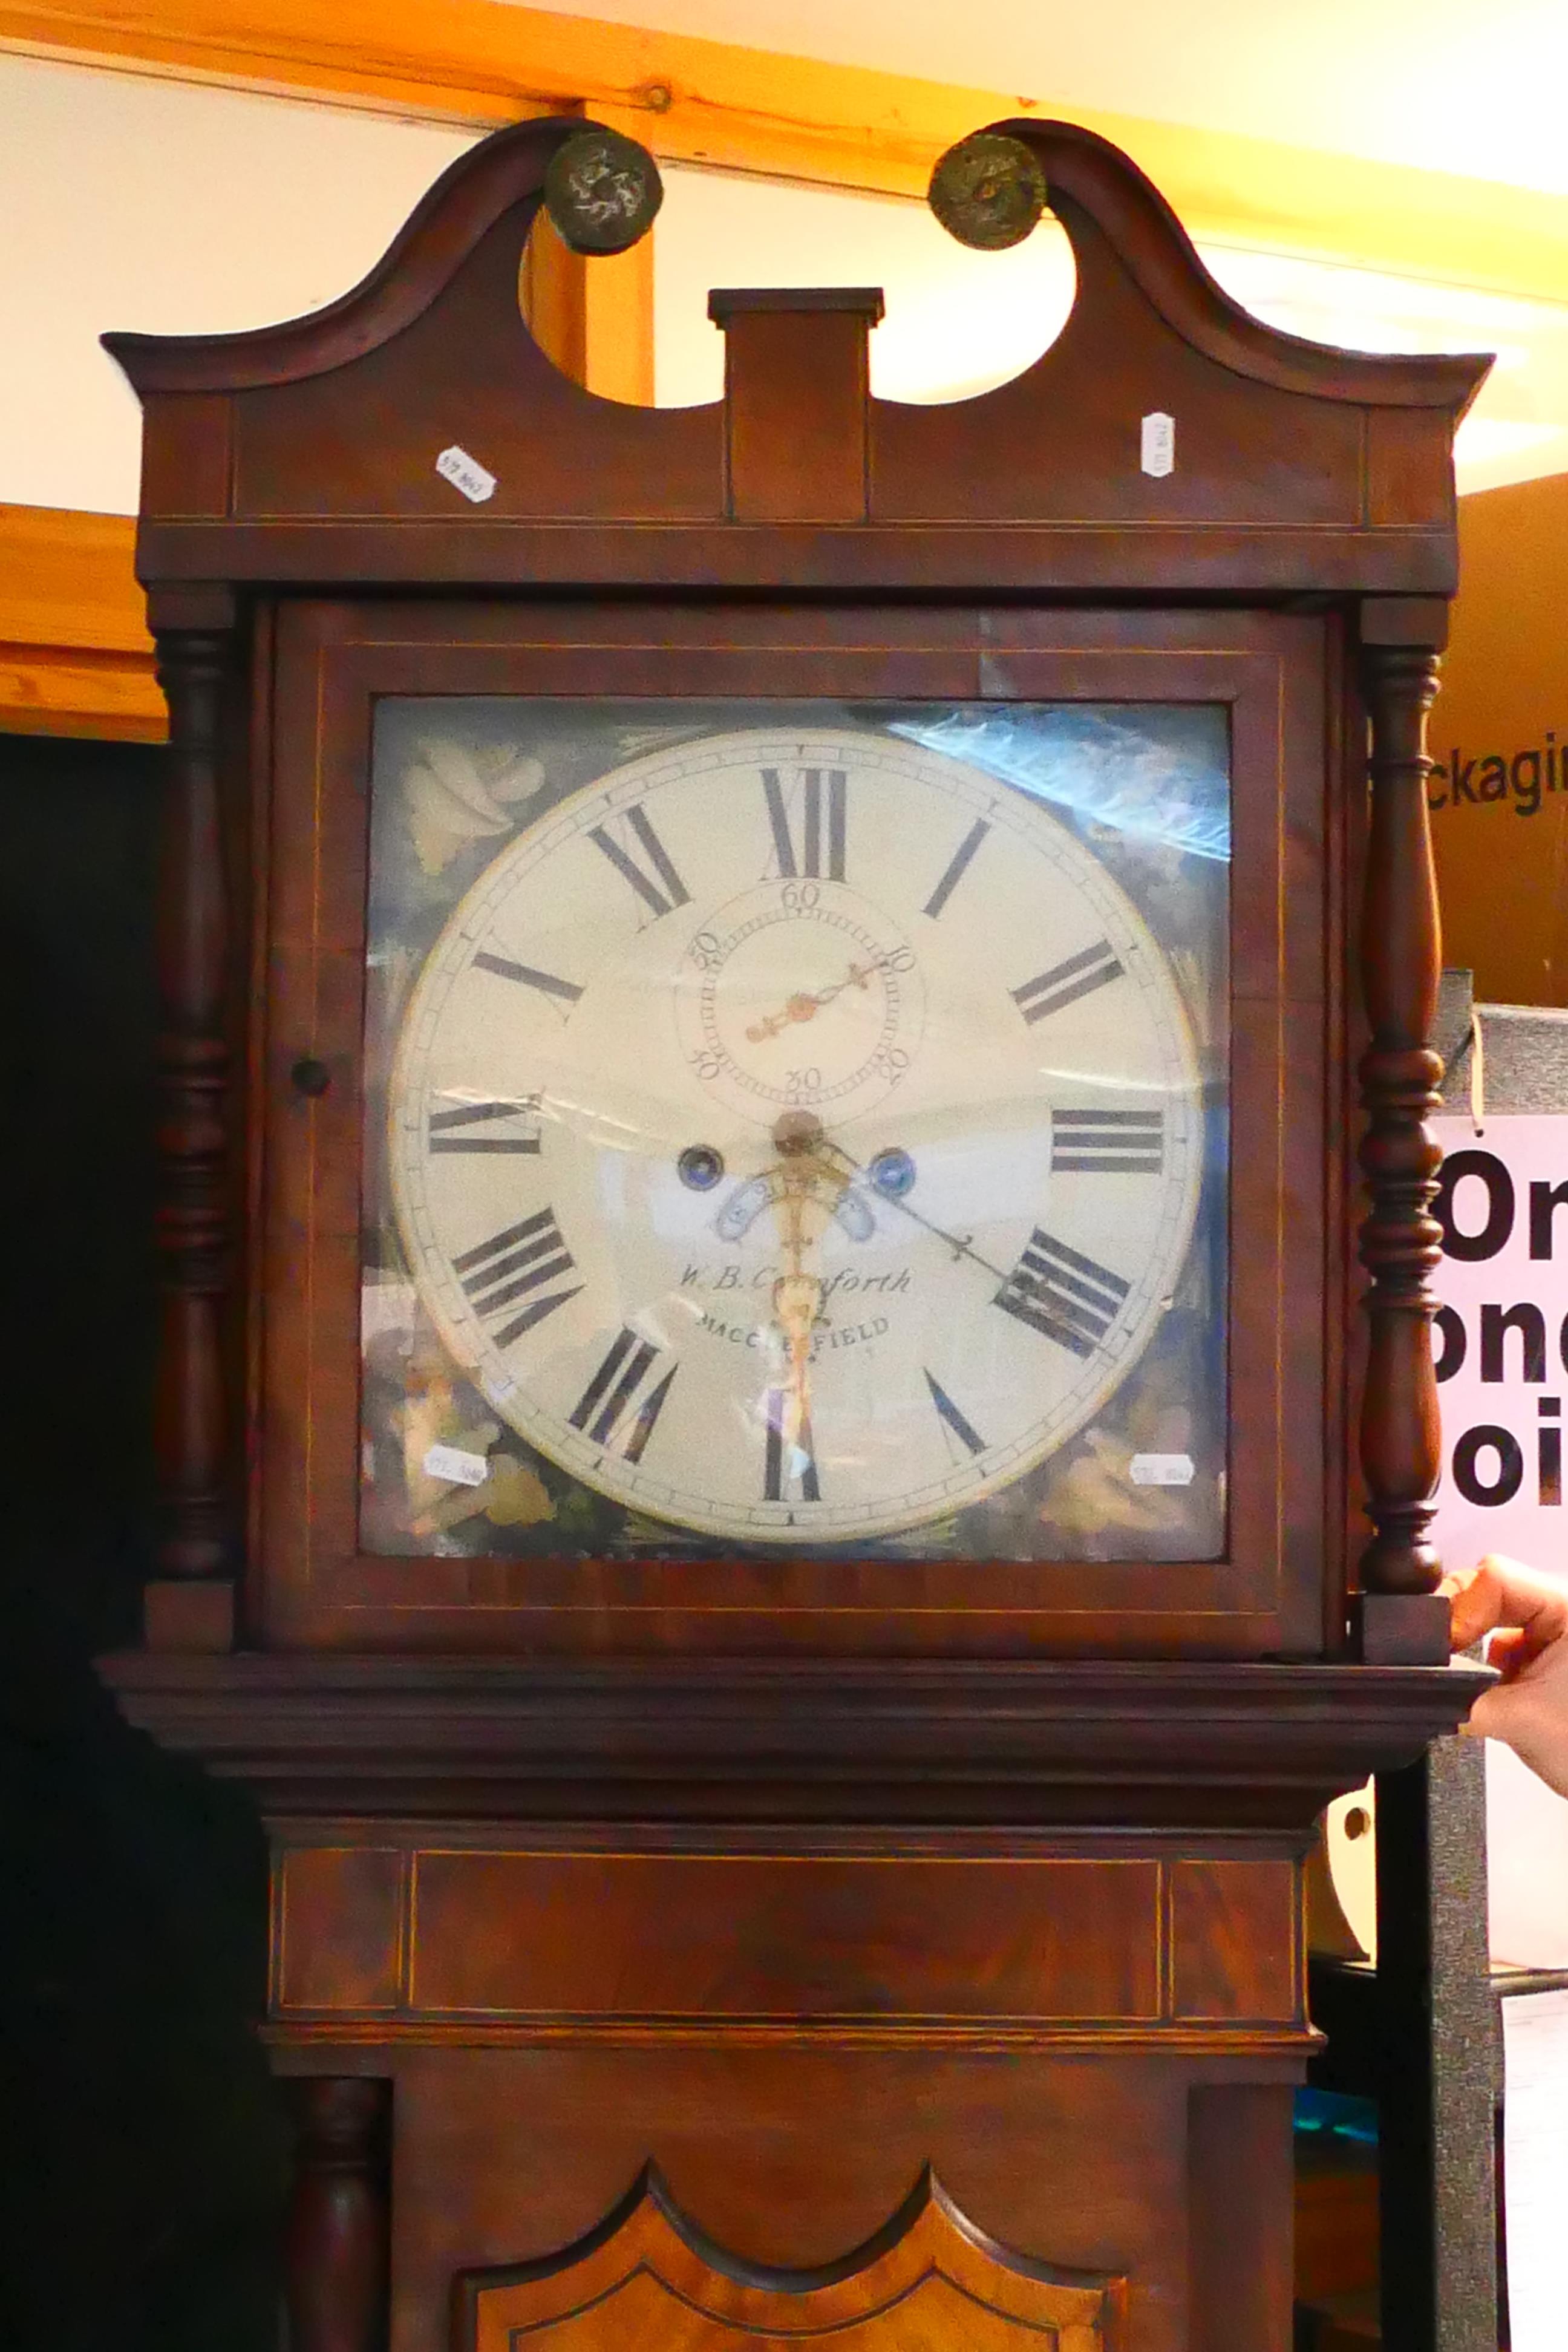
{"points": [[1527, 1615]]}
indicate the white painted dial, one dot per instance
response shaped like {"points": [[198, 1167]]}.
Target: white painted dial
{"points": [[797, 1134]]}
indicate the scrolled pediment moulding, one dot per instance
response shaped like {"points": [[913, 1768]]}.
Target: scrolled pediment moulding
{"points": [[74, 654]]}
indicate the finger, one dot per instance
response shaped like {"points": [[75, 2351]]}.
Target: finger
{"points": [[1509, 1651], [1501, 1591], [1475, 1604], [1491, 1716], [1516, 1714], [1516, 1651]]}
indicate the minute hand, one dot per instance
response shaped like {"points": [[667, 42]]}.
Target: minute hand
{"points": [[959, 1244]]}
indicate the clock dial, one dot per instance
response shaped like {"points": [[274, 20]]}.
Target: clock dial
{"points": [[796, 1134]]}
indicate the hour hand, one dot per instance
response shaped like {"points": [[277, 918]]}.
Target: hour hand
{"points": [[798, 1307]]}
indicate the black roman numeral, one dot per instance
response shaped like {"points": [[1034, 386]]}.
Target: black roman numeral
{"points": [[475, 1126], [1060, 1292], [817, 855], [545, 982], [618, 1408], [965, 1431], [1066, 982], [788, 1470], [958, 866], [1108, 1142], [662, 891], [517, 1264]]}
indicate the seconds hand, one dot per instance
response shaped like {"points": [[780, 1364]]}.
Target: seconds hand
{"points": [[805, 1004], [958, 1244]]}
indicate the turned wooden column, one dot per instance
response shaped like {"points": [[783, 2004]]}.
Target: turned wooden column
{"points": [[1400, 1618], [190, 1602], [336, 2250]]}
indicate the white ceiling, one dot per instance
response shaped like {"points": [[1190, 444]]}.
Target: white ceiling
{"points": [[1473, 87]]}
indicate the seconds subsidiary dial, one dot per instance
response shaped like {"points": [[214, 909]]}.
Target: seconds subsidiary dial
{"points": [[797, 1134]]}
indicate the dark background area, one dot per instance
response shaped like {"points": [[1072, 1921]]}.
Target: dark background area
{"points": [[142, 2147]]}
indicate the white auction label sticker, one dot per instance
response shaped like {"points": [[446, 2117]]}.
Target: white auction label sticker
{"points": [[457, 1468], [1163, 1470], [466, 474], [1158, 444]]}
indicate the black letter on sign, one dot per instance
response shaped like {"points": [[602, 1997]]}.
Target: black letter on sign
{"points": [[1550, 1451], [1544, 1199], [1494, 1233], [1529, 1321], [1450, 1328], [1509, 1465]]}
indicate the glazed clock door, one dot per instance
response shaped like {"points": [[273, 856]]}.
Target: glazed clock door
{"points": [[836, 1156], [790, 1135]]}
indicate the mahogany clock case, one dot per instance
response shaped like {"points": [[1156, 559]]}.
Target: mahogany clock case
{"points": [[1267, 675], [931, 1927], [802, 541]]}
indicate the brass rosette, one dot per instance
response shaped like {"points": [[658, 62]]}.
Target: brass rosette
{"points": [[989, 191], [602, 190]]}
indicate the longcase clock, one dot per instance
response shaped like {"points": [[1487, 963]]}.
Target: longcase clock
{"points": [[760, 1349]]}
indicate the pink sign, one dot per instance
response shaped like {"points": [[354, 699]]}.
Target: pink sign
{"points": [[1501, 1350], [1501, 1342]]}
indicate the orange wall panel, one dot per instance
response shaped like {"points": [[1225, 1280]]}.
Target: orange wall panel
{"points": [[1500, 733]]}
